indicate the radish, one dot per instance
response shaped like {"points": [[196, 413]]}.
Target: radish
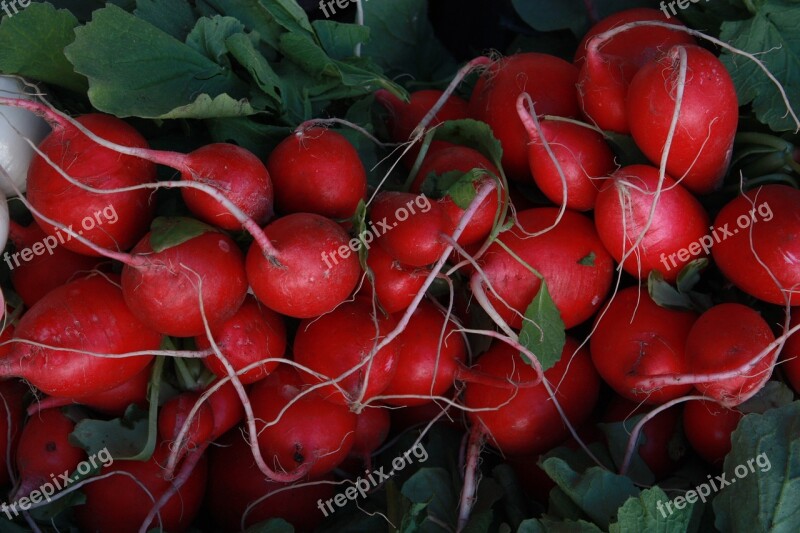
{"points": [[253, 333], [790, 355], [708, 427], [4, 222], [448, 159], [226, 407], [317, 269], [745, 337], [570, 256], [317, 171], [15, 153], [701, 144], [764, 220], [312, 432], [395, 285], [208, 266], [75, 328], [625, 209], [174, 414], [12, 412], [548, 79], [634, 338], [372, 428], [338, 343]]}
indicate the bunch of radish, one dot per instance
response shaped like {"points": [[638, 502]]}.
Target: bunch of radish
{"points": [[293, 303]]}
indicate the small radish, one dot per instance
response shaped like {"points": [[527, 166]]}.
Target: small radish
{"points": [[317, 171], [548, 79], [311, 432], [87, 315], [12, 412], [317, 268], [708, 427], [429, 354], [173, 417], [253, 333], [448, 159], [395, 284], [766, 220], [226, 407], [724, 338], [790, 355], [338, 342], [571, 258], [634, 338], [623, 210], [701, 148], [372, 428]]}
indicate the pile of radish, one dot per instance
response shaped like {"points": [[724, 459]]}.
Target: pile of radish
{"points": [[285, 325]]}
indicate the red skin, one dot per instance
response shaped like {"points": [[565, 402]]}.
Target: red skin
{"points": [[583, 156], [636, 186], [44, 449], [790, 355], [549, 80], [237, 483], [12, 411], [415, 240], [776, 241], [89, 315], [703, 143], [577, 290], [305, 285], [336, 342], [396, 285], [215, 258], [404, 117], [226, 406], [708, 427], [724, 338], [372, 428], [43, 273], [654, 449], [252, 334], [423, 367], [172, 417], [104, 510], [419, 415], [312, 430], [635, 338], [317, 171], [238, 174], [462, 159], [525, 421], [97, 167]]}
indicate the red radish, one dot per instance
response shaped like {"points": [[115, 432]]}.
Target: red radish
{"points": [[790, 355], [252, 334], [430, 350], [237, 483], [338, 342], [410, 227], [173, 417], [312, 431], [178, 270], [524, 420], [405, 116], [582, 154], [226, 407], [702, 145], [573, 261], [42, 273], [623, 210], [634, 338], [237, 173], [548, 79], [770, 215], [87, 315], [419, 416], [12, 411], [724, 338], [396, 285], [317, 171], [105, 512], [98, 167], [708, 427], [372, 428], [317, 269], [44, 450]]}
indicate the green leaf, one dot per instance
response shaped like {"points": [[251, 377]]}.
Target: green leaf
{"points": [[123, 437], [209, 34], [174, 17], [135, 69], [549, 525], [588, 260], [551, 15], [222, 106], [273, 525], [689, 275], [433, 486], [167, 232], [251, 13], [259, 138], [472, 134], [665, 294], [32, 44], [773, 394], [617, 435], [339, 40], [648, 512], [763, 467], [290, 15], [242, 49], [543, 330], [771, 34]]}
